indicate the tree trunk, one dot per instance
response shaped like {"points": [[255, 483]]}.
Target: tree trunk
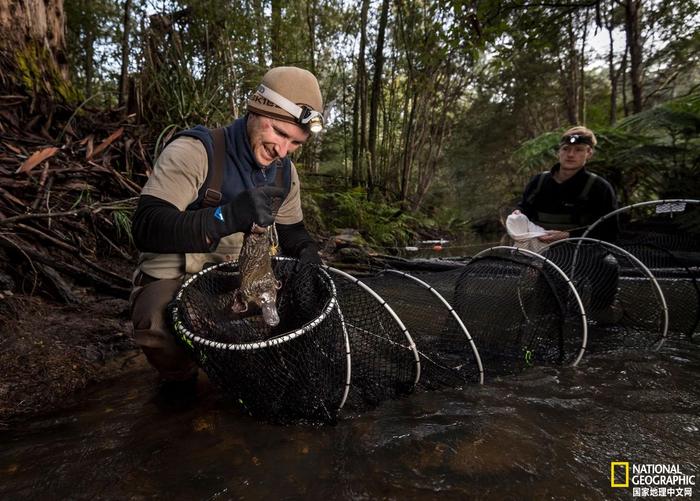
{"points": [[89, 62], [32, 50], [311, 20], [408, 146], [568, 74], [633, 11], [359, 120], [613, 72], [376, 89], [276, 32], [313, 148], [582, 72], [258, 12], [123, 79], [623, 65]]}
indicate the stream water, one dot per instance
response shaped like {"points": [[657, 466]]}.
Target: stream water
{"points": [[547, 433]]}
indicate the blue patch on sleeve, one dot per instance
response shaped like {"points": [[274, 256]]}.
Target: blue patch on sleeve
{"points": [[218, 215]]}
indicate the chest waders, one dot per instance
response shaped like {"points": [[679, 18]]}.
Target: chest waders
{"points": [[570, 221]]}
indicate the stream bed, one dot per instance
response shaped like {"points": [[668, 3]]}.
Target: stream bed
{"points": [[547, 433]]}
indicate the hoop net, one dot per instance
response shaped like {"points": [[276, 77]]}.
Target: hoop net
{"points": [[520, 309], [623, 302], [665, 236], [385, 361], [448, 354], [298, 370]]}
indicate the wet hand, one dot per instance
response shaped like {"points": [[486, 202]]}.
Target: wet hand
{"points": [[553, 236]]}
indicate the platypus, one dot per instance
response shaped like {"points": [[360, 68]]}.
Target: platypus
{"points": [[258, 282]]}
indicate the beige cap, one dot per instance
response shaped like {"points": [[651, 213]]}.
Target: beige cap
{"points": [[298, 85]]}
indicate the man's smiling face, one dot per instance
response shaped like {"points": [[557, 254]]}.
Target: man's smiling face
{"points": [[272, 139]]}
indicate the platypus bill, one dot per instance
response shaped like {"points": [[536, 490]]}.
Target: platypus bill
{"points": [[258, 282]]}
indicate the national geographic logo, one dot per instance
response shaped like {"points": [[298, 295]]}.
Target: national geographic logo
{"points": [[652, 480], [623, 471]]}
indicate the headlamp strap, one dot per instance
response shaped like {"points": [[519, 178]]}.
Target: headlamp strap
{"points": [[302, 114], [280, 101], [576, 139]]}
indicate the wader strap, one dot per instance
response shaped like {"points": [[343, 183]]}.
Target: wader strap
{"points": [[279, 176], [550, 221], [212, 196], [540, 182], [589, 184]]}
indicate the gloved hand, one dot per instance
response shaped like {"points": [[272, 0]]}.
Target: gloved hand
{"points": [[252, 206], [308, 292], [309, 255]]}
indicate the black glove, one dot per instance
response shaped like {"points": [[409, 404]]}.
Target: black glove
{"points": [[308, 292], [297, 242], [309, 255], [252, 206]]}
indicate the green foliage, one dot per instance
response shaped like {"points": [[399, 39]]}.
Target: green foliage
{"points": [[122, 223], [313, 215], [532, 155], [472, 95], [669, 147], [677, 118], [381, 224]]}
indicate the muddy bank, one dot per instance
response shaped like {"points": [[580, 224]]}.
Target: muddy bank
{"points": [[49, 351]]}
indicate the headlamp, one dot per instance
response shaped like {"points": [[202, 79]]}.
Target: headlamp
{"points": [[304, 115], [576, 139]]}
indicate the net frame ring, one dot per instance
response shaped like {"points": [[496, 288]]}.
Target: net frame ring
{"points": [[547, 262], [331, 306], [627, 208], [655, 284]]}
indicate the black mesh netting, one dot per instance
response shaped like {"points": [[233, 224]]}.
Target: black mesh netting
{"points": [[665, 236], [296, 370], [448, 355], [357, 342], [623, 302], [384, 358], [520, 311]]}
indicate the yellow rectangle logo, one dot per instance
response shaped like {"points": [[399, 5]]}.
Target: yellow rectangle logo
{"points": [[626, 465]]}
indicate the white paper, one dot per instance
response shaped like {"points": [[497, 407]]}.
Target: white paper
{"points": [[524, 232]]}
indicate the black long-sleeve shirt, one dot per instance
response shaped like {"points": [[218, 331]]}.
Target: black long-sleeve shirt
{"points": [[572, 205]]}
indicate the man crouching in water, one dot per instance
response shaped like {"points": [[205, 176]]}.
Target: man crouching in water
{"points": [[189, 214]]}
